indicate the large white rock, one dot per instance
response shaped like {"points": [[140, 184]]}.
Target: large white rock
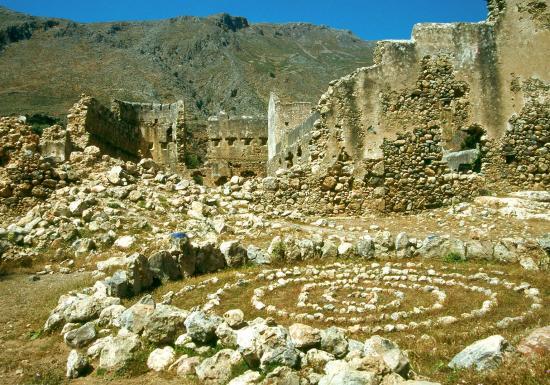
{"points": [[482, 355], [119, 350], [348, 376], [77, 364], [160, 359], [218, 369], [250, 377], [125, 242], [304, 336], [390, 353]]}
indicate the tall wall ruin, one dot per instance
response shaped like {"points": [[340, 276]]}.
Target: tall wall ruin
{"points": [[457, 109], [236, 146], [289, 132]]}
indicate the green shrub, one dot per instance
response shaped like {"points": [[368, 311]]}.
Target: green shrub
{"points": [[192, 160], [453, 257]]}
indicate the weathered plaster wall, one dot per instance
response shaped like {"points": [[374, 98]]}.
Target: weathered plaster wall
{"points": [[283, 117], [236, 146]]}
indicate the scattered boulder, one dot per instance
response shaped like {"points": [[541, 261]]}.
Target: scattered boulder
{"points": [[304, 337], [137, 316], [234, 253], [164, 324], [390, 353], [201, 327], [234, 318], [249, 377], [348, 376], [219, 368], [160, 359], [119, 351], [82, 336], [140, 276], [536, 343], [187, 365], [257, 256], [482, 355], [77, 364], [334, 341], [164, 266], [125, 242], [209, 258], [317, 359]]}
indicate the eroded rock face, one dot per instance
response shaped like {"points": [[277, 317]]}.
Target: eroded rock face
{"points": [[481, 355]]}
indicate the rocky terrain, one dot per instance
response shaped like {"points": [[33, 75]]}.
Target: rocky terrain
{"points": [[163, 277], [214, 63]]}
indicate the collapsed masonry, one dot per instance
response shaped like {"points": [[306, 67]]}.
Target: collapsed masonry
{"points": [[457, 109]]}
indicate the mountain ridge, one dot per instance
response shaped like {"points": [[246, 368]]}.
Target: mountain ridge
{"points": [[213, 63]]}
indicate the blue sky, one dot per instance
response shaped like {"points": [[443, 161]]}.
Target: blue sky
{"points": [[370, 19]]}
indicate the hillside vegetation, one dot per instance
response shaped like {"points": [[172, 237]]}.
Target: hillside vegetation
{"points": [[215, 63]]}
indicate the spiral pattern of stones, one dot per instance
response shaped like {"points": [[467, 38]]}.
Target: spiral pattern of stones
{"points": [[361, 308]]}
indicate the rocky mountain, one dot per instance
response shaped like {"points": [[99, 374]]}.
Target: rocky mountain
{"points": [[215, 63]]}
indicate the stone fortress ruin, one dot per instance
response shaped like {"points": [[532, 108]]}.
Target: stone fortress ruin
{"points": [[457, 110], [135, 130]]}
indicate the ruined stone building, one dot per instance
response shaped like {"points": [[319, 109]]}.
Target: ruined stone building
{"points": [[136, 130], [289, 131], [458, 109], [236, 146]]}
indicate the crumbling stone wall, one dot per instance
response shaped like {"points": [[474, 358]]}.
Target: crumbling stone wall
{"points": [[140, 130], [438, 118], [293, 146], [24, 173], [521, 158], [55, 143], [158, 126], [236, 146]]}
